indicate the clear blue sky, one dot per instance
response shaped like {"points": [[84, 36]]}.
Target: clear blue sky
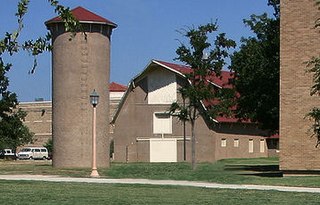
{"points": [[147, 29]]}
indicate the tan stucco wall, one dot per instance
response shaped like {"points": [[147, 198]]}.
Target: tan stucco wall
{"points": [[80, 64], [243, 132], [135, 121], [299, 42]]}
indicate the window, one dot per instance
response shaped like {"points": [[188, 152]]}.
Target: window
{"points": [[236, 142], [223, 142], [262, 144], [162, 123], [250, 145]]}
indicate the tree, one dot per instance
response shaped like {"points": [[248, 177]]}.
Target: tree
{"points": [[256, 66], [49, 146], [198, 90], [313, 66], [13, 132]]}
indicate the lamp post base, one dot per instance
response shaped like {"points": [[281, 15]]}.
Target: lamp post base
{"points": [[94, 173]]}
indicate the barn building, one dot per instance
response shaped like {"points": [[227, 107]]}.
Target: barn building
{"points": [[145, 132]]}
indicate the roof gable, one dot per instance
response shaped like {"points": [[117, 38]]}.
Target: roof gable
{"points": [[222, 81], [84, 16]]}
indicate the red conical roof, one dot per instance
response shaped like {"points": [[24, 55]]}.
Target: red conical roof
{"points": [[84, 16]]}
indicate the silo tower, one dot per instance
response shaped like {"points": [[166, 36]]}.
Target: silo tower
{"points": [[80, 65]]}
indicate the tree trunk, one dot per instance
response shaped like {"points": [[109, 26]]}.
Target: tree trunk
{"points": [[184, 134], [193, 146]]}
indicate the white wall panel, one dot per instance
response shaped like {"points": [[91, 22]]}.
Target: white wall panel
{"points": [[162, 123], [162, 87], [163, 150]]}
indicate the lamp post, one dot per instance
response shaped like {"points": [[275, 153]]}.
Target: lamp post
{"points": [[94, 100]]}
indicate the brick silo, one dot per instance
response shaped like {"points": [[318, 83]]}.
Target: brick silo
{"points": [[79, 65]]}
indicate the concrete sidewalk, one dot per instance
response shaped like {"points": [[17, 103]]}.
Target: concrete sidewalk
{"points": [[157, 182]]}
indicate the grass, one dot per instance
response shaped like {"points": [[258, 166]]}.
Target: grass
{"points": [[231, 171], [46, 193], [39, 167], [235, 171]]}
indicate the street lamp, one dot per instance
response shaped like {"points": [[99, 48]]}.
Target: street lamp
{"points": [[94, 100]]}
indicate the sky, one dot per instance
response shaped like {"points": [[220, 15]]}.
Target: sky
{"points": [[147, 29]]}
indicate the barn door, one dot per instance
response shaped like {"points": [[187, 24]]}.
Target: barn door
{"points": [[163, 150]]}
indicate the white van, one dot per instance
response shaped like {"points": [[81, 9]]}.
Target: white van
{"points": [[7, 154], [33, 153]]}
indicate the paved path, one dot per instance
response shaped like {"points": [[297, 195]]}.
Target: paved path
{"points": [[157, 182]]}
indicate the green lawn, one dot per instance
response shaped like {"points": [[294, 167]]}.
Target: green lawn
{"points": [[44, 193], [232, 171], [39, 167]]}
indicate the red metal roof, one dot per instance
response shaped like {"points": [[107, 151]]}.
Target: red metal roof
{"points": [[180, 68], [223, 80], [115, 87], [84, 15]]}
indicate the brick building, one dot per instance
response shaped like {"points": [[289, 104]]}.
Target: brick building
{"points": [[39, 118], [299, 42], [145, 132]]}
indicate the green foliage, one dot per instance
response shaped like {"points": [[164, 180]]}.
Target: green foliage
{"points": [[313, 66], [198, 89], [276, 6], [224, 105], [314, 115], [71, 24], [13, 133], [256, 66], [49, 145]]}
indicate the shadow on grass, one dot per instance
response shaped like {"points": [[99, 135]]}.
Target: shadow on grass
{"points": [[256, 170]]}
